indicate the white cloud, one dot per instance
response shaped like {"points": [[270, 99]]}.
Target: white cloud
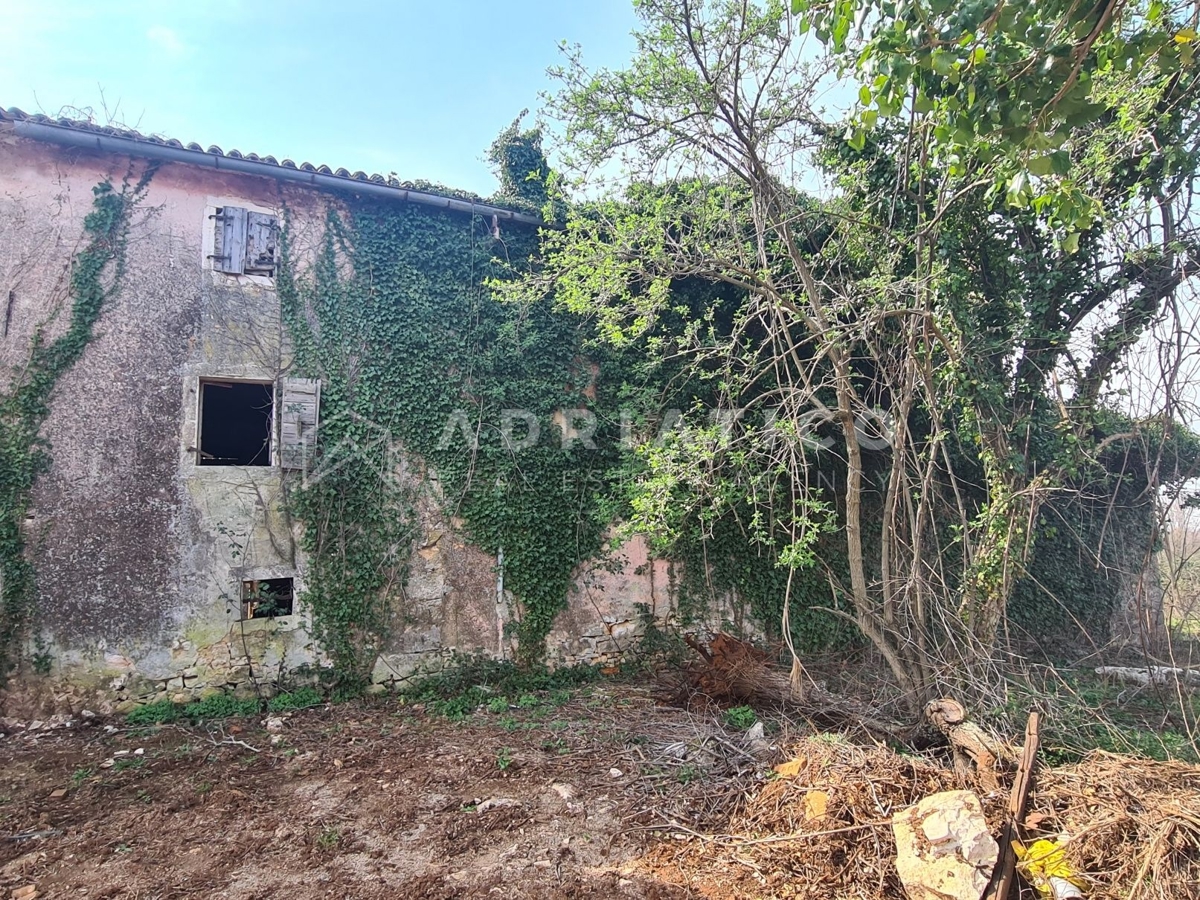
{"points": [[166, 40]]}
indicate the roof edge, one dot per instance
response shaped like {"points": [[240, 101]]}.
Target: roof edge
{"points": [[114, 143]]}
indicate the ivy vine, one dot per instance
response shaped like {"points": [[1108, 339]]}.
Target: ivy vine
{"points": [[397, 319]]}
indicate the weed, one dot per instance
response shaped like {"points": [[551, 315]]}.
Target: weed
{"points": [[156, 713], [687, 774], [144, 797], [301, 698], [204, 787], [740, 717], [556, 745], [217, 706], [528, 701], [79, 776], [329, 838], [497, 705], [221, 706], [128, 762], [504, 759], [344, 692], [472, 682], [508, 723]]}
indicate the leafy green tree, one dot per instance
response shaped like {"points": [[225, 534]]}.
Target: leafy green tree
{"points": [[987, 323]]}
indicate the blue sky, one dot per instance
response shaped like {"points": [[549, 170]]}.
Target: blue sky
{"points": [[418, 88]]}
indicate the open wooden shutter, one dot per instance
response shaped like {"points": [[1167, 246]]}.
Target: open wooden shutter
{"points": [[261, 234], [231, 226], [298, 414]]}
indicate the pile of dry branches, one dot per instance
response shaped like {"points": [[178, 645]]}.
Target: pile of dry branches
{"points": [[823, 827], [1132, 826]]}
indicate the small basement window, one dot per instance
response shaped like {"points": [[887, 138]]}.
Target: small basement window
{"points": [[266, 598], [235, 423]]}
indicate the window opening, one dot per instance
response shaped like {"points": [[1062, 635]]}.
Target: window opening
{"points": [[266, 598], [235, 423]]}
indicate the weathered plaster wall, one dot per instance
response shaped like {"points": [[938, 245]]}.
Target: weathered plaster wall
{"points": [[139, 551]]}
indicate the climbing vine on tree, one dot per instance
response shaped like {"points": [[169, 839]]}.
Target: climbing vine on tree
{"points": [[96, 274]]}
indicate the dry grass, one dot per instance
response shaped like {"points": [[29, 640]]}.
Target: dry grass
{"points": [[1133, 825], [824, 829]]}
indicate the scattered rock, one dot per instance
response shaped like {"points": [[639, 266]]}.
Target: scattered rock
{"points": [[496, 803], [756, 740], [59, 794], [566, 791], [614, 772], [273, 724], [26, 892], [943, 848]]}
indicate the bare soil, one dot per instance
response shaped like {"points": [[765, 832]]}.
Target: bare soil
{"points": [[365, 799]]}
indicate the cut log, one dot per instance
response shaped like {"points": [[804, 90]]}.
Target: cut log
{"points": [[974, 750]]}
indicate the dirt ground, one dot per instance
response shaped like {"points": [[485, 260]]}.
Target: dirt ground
{"points": [[371, 798]]}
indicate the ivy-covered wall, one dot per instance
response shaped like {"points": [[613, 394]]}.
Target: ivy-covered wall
{"points": [[136, 554]]}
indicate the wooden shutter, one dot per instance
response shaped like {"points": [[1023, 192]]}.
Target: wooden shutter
{"points": [[299, 410], [261, 235], [231, 227]]}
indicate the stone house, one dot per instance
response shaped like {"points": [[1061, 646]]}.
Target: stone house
{"points": [[165, 562]]}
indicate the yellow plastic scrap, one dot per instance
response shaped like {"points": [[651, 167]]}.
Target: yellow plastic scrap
{"points": [[1044, 865]]}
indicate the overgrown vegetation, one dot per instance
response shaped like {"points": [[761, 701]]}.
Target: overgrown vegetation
{"points": [[222, 706], [96, 273], [478, 682], [419, 367], [926, 360]]}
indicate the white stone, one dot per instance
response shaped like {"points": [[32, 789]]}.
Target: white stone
{"points": [[564, 790], [943, 848]]}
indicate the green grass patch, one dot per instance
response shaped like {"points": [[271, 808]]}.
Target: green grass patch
{"points": [[476, 682], [217, 706], [301, 698], [1084, 712]]}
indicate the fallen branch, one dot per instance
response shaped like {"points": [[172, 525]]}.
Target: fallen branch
{"points": [[31, 835], [968, 742], [1157, 675]]}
